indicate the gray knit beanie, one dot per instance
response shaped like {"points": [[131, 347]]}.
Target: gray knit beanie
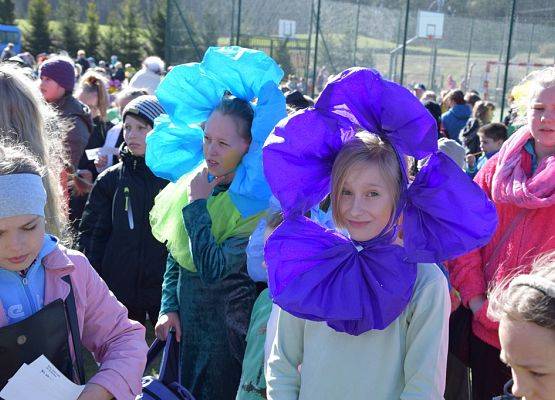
{"points": [[146, 107]]}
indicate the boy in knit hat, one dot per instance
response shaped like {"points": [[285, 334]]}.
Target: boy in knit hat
{"points": [[115, 231], [57, 79]]}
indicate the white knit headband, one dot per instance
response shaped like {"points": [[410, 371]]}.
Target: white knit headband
{"points": [[537, 282], [21, 194]]}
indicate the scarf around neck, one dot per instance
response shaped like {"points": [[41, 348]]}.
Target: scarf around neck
{"points": [[512, 185]]}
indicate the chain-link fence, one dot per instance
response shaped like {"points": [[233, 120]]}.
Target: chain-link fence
{"points": [[315, 38]]}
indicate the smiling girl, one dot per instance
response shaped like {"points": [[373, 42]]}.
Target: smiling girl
{"points": [[364, 315], [520, 179]]}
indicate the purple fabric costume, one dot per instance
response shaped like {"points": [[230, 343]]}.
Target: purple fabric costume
{"points": [[318, 274]]}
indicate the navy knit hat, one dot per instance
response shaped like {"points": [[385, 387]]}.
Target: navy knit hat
{"points": [[146, 107], [59, 70]]}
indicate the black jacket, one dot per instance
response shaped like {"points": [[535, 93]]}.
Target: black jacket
{"points": [[469, 136], [115, 232]]}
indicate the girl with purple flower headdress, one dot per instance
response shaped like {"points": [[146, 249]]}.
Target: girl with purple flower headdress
{"points": [[364, 315]]}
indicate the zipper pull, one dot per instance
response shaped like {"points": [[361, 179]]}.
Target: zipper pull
{"points": [[126, 193], [24, 280]]}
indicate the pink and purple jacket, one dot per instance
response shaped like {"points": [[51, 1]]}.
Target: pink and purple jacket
{"points": [[474, 273], [116, 342]]}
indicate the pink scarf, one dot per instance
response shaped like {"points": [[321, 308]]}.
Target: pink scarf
{"points": [[510, 183]]}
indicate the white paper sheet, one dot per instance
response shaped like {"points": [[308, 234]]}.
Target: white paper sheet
{"points": [[40, 380]]}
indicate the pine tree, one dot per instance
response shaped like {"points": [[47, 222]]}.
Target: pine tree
{"points": [[70, 36], [109, 42], [129, 35], [37, 38], [157, 30], [92, 38], [7, 13]]}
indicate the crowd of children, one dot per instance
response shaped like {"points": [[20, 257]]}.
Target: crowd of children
{"points": [[299, 248]]}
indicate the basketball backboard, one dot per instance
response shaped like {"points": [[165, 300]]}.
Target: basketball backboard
{"points": [[429, 25], [287, 28]]}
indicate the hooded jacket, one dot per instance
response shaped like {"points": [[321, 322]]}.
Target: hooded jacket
{"points": [[454, 120], [115, 232]]}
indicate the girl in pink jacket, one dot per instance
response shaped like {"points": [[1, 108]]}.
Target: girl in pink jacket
{"points": [[520, 179], [52, 300]]}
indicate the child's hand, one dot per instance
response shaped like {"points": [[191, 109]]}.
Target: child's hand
{"points": [[100, 163], [95, 392], [200, 188], [470, 160], [165, 323]]}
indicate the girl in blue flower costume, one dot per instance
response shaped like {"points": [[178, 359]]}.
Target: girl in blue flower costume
{"points": [[220, 112]]}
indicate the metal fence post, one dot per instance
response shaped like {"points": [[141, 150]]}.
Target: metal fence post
{"points": [[309, 44], [356, 35], [316, 48], [167, 37], [238, 38], [402, 77], [466, 75], [232, 29], [508, 59]]}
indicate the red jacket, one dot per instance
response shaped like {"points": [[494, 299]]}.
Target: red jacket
{"points": [[473, 273]]}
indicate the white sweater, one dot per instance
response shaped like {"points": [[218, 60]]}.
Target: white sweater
{"points": [[407, 360]]}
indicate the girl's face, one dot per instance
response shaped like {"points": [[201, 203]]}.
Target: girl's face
{"points": [[134, 133], [529, 350], [366, 202], [541, 118], [21, 239], [223, 146], [50, 89]]}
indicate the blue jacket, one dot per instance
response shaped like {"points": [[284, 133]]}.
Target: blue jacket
{"points": [[454, 120], [24, 296]]}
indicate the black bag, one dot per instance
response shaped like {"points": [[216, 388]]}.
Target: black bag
{"points": [[44, 332], [168, 385], [460, 329]]}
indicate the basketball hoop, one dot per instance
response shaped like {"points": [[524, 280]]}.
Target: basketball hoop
{"points": [[430, 37]]}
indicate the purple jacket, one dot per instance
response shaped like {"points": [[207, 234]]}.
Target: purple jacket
{"points": [[116, 342]]}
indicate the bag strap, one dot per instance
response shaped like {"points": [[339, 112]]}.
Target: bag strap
{"points": [[500, 245], [74, 329]]}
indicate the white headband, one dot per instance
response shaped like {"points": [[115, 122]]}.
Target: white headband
{"points": [[537, 282], [21, 194]]}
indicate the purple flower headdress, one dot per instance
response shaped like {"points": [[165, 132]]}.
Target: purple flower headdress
{"points": [[318, 274]]}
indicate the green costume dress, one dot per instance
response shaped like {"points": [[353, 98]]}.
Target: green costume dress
{"points": [[206, 282], [253, 381]]}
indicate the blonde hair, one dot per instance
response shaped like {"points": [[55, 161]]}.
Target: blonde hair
{"points": [[26, 119], [528, 297], [541, 79], [16, 159], [365, 148], [93, 82], [529, 88]]}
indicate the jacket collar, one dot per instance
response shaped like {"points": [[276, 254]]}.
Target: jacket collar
{"points": [[58, 261]]}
